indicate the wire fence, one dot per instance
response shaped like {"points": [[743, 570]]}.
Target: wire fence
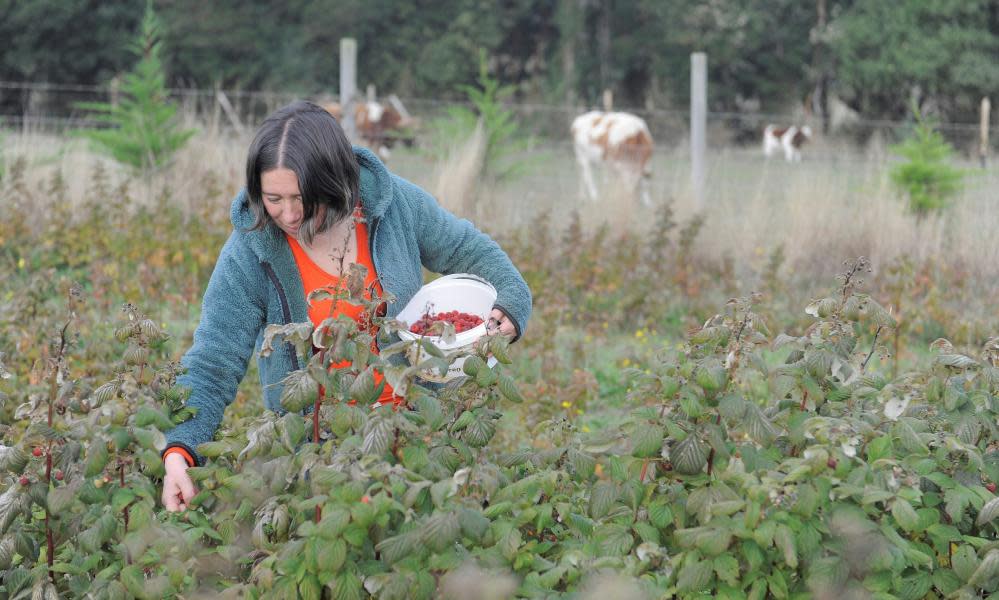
{"points": [[55, 107]]}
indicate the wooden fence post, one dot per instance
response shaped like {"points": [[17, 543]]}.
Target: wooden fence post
{"points": [[608, 99], [227, 108], [698, 125], [983, 140], [348, 85]]}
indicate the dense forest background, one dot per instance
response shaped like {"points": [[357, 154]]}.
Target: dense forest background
{"points": [[764, 55]]}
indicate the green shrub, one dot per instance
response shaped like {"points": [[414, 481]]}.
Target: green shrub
{"points": [[142, 131], [734, 476], [926, 178], [504, 141]]}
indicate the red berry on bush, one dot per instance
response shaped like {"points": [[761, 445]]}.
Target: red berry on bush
{"points": [[37, 451], [831, 463], [365, 499], [59, 475], [24, 480], [991, 487]]}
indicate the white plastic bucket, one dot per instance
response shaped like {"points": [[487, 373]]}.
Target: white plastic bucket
{"points": [[463, 292]]}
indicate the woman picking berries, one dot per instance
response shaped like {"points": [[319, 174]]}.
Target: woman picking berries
{"points": [[314, 204]]}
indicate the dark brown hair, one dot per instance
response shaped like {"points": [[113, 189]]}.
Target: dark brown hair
{"points": [[306, 139]]}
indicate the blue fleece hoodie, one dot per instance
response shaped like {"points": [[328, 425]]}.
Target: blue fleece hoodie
{"points": [[256, 283]]}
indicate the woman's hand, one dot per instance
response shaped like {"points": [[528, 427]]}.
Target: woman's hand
{"points": [[500, 323], [178, 490]]}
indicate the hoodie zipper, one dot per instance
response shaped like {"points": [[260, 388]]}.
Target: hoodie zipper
{"points": [[285, 309]]}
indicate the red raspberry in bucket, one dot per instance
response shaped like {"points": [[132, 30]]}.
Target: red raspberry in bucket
{"points": [[462, 321]]}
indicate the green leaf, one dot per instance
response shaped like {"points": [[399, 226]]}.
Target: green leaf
{"points": [[905, 515], [660, 514], [299, 390], [647, 532], [915, 586], [508, 387], [614, 539], [777, 585], [989, 512], [784, 540], [378, 435], [355, 535], [147, 415], [727, 569], [879, 448], [910, 439], [582, 464], [956, 502], [97, 458], [946, 581], [964, 561], [758, 426], [13, 459], [131, 577], [346, 586], [440, 530], [647, 440], [61, 498], [213, 449], [474, 523], [400, 546], [689, 456], [603, 496], [330, 556], [480, 430], [293, 430], [714, 541], [462, 421], [987, 569], [695, 576], [732, 407], [363, 389]]}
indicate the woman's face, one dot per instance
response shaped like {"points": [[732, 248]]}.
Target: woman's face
{"points": [[282, 199]]}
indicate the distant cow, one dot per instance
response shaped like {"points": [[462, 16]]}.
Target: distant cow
{"points": [[379, 126], [622, 142], [790, 139]]}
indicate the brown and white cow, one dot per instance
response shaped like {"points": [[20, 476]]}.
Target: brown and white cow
{"points": [[620, 141], [790, 139], [378, 125]]}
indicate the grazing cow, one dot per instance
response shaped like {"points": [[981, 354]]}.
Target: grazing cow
{"points": [[378, 126], [620, 141], [790, 139]]}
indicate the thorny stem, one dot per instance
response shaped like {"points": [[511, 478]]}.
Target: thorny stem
{"points": [[53, 395], [874, 346], [742, 326], [645, 468], [853, 270], [897, 341], [121, 482]]}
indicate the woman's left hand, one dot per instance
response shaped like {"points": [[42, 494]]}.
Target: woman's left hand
{"points": [[500, 323]]}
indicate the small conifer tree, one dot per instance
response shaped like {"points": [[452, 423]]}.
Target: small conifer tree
{"points": [[142, 130], [927, 178]]}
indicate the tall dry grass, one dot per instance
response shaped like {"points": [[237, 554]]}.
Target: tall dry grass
{"points": [[836, 204]]}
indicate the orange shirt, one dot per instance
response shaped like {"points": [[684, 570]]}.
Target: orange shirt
{"points": [[314, 278]]}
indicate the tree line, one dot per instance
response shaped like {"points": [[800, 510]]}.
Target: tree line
{"points": [[764, 55]]}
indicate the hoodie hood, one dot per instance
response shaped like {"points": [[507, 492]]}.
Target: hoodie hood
{"points": [[376, 186]]}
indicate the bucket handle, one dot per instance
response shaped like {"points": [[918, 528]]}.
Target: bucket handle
{"points": [[457, 276]]}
